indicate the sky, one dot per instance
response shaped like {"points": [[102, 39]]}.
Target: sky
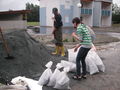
{"points": [[117, 2], [6, 5]]}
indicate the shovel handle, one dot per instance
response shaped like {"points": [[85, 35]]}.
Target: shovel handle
{"points": [[4, 41]]}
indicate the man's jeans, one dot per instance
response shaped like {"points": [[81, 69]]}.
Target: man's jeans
{"points": [[81, 57]]}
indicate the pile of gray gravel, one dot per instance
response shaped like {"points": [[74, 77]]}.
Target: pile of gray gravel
{"points": [[30, 56]]}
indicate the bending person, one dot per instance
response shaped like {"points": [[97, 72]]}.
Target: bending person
{"points": [[82, 34]]}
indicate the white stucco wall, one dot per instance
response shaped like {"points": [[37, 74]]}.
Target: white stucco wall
{"points": [[105, 0], [49, 6], [95, 19], [87, 4], [67, 3], [106, 20], [97, 14], [19, 24], [76, 10], [88, 19], [106, 6], [55, 3]]}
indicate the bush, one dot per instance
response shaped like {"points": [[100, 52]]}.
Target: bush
{"points": [[116, 19], [73, 39], [66, 40]]}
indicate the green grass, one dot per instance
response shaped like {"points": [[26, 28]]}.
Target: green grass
{"points": [[33, 23], [116, 25], [65, 40]]}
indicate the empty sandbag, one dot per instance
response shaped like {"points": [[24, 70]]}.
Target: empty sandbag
{"points": [[71, 65], [55, 74], [62, 81], [32, 84], [97, 60], [45, 77]]}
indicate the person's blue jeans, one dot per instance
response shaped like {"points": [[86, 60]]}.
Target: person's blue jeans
{"points": [[81, 57]]}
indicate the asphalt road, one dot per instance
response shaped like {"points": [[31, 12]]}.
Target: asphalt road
{"points": [[110, 80]]}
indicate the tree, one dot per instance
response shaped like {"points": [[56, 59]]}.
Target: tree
{"points": [[33, 16], [115, 13], [115, 9]]}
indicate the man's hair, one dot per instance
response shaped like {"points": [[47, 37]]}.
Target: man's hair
{"points": [[76, 20], [54, 10]]}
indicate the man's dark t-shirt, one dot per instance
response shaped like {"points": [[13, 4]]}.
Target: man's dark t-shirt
{"points": [[58, 21]]}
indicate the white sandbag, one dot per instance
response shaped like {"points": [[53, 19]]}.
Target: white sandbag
{"points": [[55, 74], [90, 64], [72, 55], [94, 56], [32, 84], [44, 78], [18, 81], [49, 64], [70, 65], [62, 81]]}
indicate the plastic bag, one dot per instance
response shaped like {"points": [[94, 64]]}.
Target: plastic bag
{"points": [[19, 81], [72, 55], [71, 65], [55, 74], [94, 56], [91, 66], [49, 64], [90, 63], [32, 84], [62, 81], [44, 79]]}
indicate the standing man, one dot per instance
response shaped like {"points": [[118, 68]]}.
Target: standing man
{"points": [[57, 32], [82, 34]]}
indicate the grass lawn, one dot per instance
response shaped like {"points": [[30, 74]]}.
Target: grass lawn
{"points": [[33, 23], [116, 25]]}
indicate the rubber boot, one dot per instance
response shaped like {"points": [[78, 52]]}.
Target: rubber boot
{"points": [[62, 51], [56, 50]]}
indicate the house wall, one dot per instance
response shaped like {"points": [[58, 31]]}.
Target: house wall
{"points": [[16, 24], [11, 17], [46, 14], [12, 21], [68, 9], [46, 10], [50, 6], [76, 10], [105, 0], [106, 15], [97, 14], [87, 13]]}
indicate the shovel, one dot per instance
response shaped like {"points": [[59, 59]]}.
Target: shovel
{"points": [[6, 46]]}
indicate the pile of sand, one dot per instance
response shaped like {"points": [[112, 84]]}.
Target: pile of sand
{"points": [[30, 56]]}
